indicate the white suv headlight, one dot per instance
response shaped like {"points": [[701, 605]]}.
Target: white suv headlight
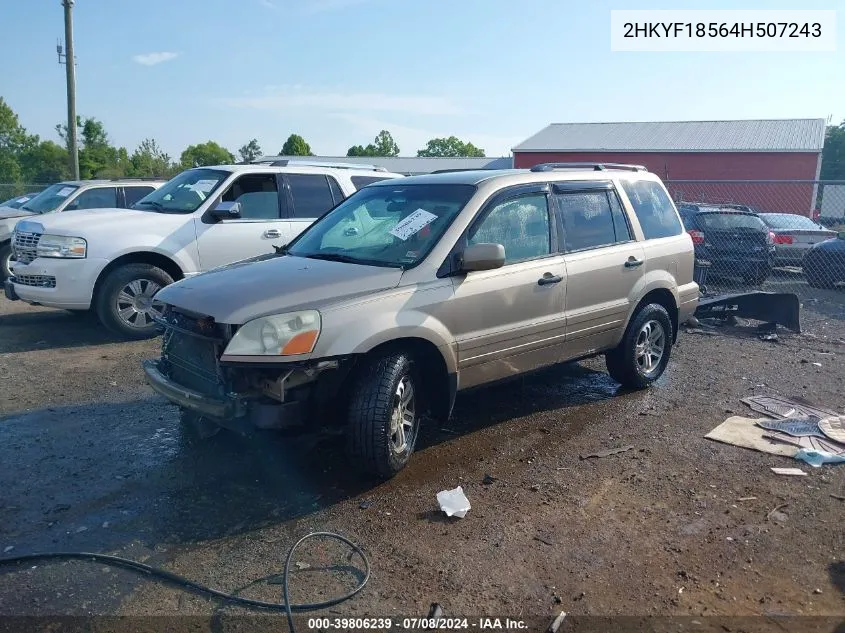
{"points": [[61, 246], [280, 334]]}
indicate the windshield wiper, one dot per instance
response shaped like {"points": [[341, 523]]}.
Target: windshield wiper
{"points": [[156, 205], [347, 259]]}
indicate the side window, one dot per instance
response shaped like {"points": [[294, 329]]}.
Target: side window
{"points": [[311, 195], [133, 194], [520, 224], [588, 220], [363, 181], [620, 222], [337, 194], [654, 209], [99, 198], [258, 196]]}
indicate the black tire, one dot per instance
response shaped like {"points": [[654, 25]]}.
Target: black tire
{"points": [[196, 429], [758, 277], [622, 362], [373, 442], [108, 295], [5, 258]]}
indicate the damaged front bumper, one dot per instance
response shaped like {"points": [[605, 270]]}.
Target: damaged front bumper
{"points": [[188, 398], [235, 395]]}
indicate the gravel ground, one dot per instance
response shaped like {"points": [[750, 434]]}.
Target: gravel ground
{"points": [[92, 460]]}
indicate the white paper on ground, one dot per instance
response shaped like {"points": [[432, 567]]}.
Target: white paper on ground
{"points": [[412, 224], [453, 502], [788, 471]]}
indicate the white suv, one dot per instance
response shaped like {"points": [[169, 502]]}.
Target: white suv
{"points": [[72, 195], [114, 261]]}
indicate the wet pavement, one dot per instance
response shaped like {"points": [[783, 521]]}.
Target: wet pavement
{"points": [[91, 460]]}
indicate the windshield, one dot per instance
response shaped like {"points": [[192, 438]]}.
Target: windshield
{"points": [[16, 202], [184, 193], [731, 221], [392, 226], [50, 199], [789, 221]]}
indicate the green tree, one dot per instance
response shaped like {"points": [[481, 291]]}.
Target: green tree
{"points": [[296, 146], [45, 162], [13, 140], [451, 147], [833, 154], [150, 161], [98, 158], [382, 145], [203, 154], [250, 152]]}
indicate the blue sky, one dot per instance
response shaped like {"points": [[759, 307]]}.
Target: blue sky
{"points": [[337, 71]]}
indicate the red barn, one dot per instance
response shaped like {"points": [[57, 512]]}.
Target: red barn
{"points": [[700, 161]]}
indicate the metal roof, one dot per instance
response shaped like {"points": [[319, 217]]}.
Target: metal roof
{"points": [[411, 165], [763, 135]]}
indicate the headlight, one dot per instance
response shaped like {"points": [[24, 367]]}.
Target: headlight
{"points": [[280, 334], [61, 246]]}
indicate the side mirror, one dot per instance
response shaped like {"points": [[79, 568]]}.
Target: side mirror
{"points": [[482, 257], [227, 211], [841, 235]]}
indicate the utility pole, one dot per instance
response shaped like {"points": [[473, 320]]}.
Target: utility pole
{"points": [[70, 65]]}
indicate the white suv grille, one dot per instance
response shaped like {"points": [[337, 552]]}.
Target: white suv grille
{"points": [[39, 281], [26, 245]]}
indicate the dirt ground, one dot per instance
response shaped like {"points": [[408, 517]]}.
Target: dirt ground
{"points": [[91, 460]]}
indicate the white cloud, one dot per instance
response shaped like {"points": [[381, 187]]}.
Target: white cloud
{"points": [[410, 139], [151, 59], [268, 4], [291, 97]]}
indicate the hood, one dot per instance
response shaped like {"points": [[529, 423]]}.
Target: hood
{"points": [[9, 212], [246, 290], [76, 223]]}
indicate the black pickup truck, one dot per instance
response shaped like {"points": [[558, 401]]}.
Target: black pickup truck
{"points": [[736, 243]]}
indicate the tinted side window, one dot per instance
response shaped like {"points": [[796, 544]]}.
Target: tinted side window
{"points": [[653, 208], [99, 198], [587, 220], [620, 222], [311, 195], [363, 181], [258, 196], [336, 191], [133, 194], [521, 225]]}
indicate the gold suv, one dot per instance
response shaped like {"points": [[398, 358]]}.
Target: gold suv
{"points": [[413, 289]]}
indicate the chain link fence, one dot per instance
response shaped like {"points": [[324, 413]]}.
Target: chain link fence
{"points": [[778, 236], [11, 191]]}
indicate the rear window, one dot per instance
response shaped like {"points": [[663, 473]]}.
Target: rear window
{"points": [[730, 221], [654, 209], [789, 221], [363, 181]]}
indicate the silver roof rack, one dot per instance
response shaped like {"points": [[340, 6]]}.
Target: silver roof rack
{"points": [[275, 161], [593, 166]]}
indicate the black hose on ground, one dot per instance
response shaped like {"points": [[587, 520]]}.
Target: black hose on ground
{"points": [[186, 583]]}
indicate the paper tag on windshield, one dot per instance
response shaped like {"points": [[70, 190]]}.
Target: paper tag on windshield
{"points": [[412, 224], [203, 186], [21, 200], [64, 192]]}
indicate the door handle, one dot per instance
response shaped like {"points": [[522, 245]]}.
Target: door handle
{"points": [[549, 279], [272, 233], [633, 262]]}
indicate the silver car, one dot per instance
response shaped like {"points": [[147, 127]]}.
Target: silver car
{"points": [[794, 235], [413, 289]]}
